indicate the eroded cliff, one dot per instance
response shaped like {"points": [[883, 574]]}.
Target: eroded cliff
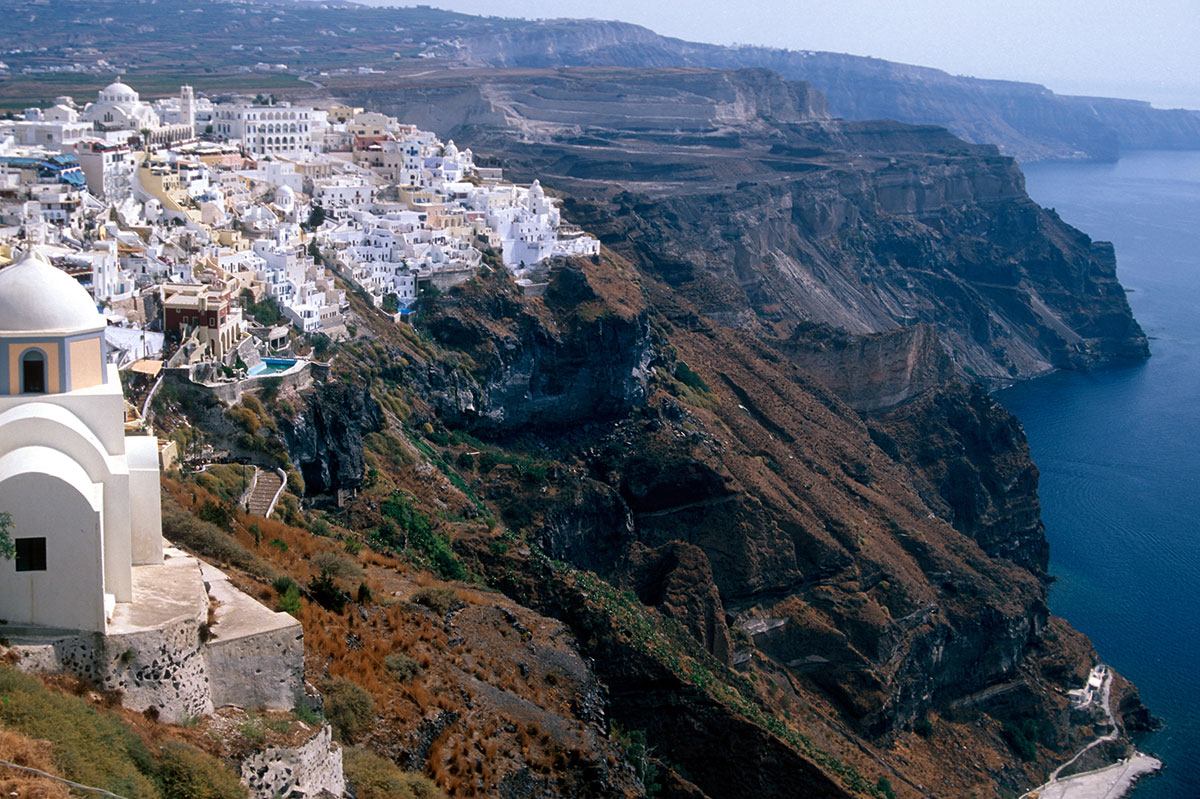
{"points": [[749, 413], [773, 218]]}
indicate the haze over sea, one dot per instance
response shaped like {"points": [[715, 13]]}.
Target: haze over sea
{"points": [[1119, 450]]}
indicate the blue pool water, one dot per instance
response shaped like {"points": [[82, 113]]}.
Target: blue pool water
{"points": [[270, 365], [1119, 450]]}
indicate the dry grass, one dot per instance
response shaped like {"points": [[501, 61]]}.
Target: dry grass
{"points": [[473, 757], [17, 748]]}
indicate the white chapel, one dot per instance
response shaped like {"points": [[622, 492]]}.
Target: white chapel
{"points": [[83, 496]]}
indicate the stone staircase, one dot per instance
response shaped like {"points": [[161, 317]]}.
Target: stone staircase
{"points": [[264, 491]]}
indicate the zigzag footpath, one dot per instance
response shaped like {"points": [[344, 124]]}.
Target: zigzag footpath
{"points": [[1109, 782]]}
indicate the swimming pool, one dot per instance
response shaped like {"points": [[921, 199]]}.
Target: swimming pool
{"points": [[271, 365]]}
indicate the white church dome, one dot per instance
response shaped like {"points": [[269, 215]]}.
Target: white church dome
{"points": [[119, 92], [285, 197], [37, 297]]}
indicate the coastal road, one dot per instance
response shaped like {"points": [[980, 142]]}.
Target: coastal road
{"points": [[1110, 782]]}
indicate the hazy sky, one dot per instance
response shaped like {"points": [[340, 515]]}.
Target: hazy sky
{"points": [[1148, 50]]}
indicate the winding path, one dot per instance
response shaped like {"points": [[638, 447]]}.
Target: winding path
{"points": [[1109, 782]]}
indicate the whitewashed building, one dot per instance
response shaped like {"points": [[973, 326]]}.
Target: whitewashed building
{"points": [[280, 130], [83, 496]]}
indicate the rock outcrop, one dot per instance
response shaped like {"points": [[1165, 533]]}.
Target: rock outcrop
{"points": [[972, 466], [676, 579], [324, 435], [579, 358], [872, 372]]}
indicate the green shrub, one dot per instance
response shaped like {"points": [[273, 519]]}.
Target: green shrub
{"points": [[924, 728], [413, 530], [265, 311], [252, 730], [245, 418], [740, 638], [184, 772], [376, 778], [325, 592], [641, 757], [226, 480], [219, 514], [279, 544], [289, 601], [308, 715], [402, 667], [90, 747], [440, 600], [251, 402], [336, 565], [1019, 740], [269, 389], [884, 788], [207, 540], [364, 594], [686, 375], [349, 709]]}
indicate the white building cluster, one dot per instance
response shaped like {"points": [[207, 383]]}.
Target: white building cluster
{"points": [[194, 219], [431, 212]]}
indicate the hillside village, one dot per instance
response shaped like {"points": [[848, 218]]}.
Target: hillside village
{"points": [[333, 464], [212, 243], [220, 235]]}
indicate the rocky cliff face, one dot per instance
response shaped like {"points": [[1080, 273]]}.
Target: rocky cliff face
{"points": [[580, 357], [872, 372], [952, 243], [750, 419], [774, 223], [324, 436], [1026, 120], [972, 466], [881, 570]]}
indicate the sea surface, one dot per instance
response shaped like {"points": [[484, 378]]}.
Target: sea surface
{"points": [[1119, 450]]}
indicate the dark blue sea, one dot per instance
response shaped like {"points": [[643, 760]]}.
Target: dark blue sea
{"points": [[1119, 450]]}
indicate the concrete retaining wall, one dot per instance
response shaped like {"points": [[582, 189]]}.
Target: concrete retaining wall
{"points": [[262, 670], [161, 668]]}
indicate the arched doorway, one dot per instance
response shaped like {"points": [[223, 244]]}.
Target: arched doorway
{"points": [[33, 372]]}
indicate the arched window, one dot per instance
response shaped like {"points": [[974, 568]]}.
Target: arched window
{"points": [[33, 372]]}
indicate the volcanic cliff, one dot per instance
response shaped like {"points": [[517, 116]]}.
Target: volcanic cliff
{"points": [[749, 413], [737, 190]]}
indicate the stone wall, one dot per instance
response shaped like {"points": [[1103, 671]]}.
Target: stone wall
{"points": [[262, 670], [230, 393], [153, 653], [303, 771], [162, 668]]}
